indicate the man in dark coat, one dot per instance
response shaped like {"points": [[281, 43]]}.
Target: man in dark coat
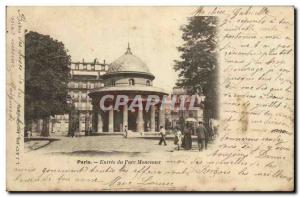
{"points": [[202, 136]]}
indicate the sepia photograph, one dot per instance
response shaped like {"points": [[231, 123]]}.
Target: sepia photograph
{"points": [[196, 98], [118, 106]]}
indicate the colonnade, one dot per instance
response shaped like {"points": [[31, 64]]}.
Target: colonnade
{"points": [[140, 123]]}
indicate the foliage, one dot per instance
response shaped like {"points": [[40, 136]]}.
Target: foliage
{"points": [[46, 76], [197, 69]]}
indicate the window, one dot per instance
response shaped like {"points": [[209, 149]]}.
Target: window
{"points": [[84, 66], [92, 85], [77, 66], [148, 83], [131, 82], [92, 66], [113, 83], [75, 95]]}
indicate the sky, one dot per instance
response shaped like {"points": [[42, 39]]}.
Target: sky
{"points": [[103, 33]]}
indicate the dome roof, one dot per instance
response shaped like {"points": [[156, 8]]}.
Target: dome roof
{"points": [[128, 63]]}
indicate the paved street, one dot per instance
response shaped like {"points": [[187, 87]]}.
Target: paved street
{"points": [[100, 145]]}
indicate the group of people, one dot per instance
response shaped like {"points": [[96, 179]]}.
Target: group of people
{"points": [[184, 139]]}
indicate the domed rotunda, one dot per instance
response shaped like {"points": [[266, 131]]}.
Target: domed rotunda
{"points": [[128, 75]]}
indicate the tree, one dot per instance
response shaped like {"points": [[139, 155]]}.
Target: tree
{"points": [[197, 68], [46, 78]]}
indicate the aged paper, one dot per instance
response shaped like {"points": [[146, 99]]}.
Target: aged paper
{"points": [[250, 143]]}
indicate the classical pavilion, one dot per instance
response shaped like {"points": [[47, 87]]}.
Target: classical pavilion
{"points": [[130, 76]]}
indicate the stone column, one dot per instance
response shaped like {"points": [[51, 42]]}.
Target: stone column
{"points": [[94, 118], [90, 125], [152, 119], [140, 121], [99, 123], [111, 120], [161, 117], [40, 126], [125, 116]]}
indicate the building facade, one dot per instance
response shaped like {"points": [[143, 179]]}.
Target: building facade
{"points": [[84, 77]]}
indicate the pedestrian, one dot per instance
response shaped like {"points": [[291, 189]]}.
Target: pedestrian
{"points": [[125, 134], [162, 136], [178, 137], [187, 138], [202, 136], [29, 134]]}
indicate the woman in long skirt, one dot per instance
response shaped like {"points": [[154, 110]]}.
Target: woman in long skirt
{"points": [[187, 139]]}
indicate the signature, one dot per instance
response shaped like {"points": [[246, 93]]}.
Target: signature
{"points": [[280, 131]]}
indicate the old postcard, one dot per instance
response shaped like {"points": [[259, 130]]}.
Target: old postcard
{"points": [[150, 98]]}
